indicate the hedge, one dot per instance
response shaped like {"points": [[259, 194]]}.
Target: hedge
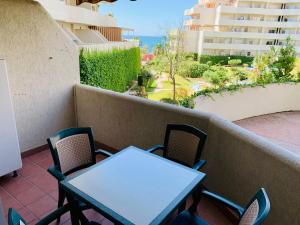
{"points": [[223, 59], [114, 70]]}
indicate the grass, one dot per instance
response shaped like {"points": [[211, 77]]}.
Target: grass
{"points": [[184, 85], [167, 87], [297, 67], [157, 96]]}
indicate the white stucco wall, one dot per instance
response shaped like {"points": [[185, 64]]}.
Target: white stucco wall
{"points": [[89, 36], [191, 41], [43, 67], [250, 102]]}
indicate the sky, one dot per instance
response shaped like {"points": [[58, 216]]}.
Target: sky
{"points": [[148, 17]]}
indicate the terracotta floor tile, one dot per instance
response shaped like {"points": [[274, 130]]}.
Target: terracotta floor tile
{"points": [[210, 213], [45, 182], [54, 195], [40, 156], [33, 222], [10, 203], [30, 169], [46, 163], [16, 185], [27, 215], [92, 215], [106, 222], [64, 218], [30, 195], [4, 194], [280, 128], [42, 206], [68, 222]]}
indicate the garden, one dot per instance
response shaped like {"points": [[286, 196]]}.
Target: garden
{"points": [[177, 78]]}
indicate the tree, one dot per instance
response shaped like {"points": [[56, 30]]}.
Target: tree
{"points": [[263, 64], [286, 61], [174, 53], [158, 64], [158, 49]]}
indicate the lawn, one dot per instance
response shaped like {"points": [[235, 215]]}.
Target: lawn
{"points": [[164, 90], [162, 87], [297, 67]]}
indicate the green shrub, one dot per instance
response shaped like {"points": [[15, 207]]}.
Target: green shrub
{"points": [[198, 70], [113, 70], [216, 75], [240, 73], [234, 62], [193, 69], [185, 66], [169, 101], [187, 102], [147, 77], [223, 60]]}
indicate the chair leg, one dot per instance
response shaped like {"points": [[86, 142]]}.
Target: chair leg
{"points": [[61, 200]]}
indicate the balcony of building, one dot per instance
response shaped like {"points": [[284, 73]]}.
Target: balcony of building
{"points": [[76, 15]]}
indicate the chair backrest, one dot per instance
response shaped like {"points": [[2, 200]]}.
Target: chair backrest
{"points": [[72, 149], [257, 209], [184, 143], [14, 218]]}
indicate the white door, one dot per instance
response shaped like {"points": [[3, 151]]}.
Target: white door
{"points": [[10, 158]]}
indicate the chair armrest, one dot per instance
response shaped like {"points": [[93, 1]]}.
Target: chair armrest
{"points": [[56, 173], [199, 164], [236, 208], [55, 214], [155, 148], [103, 152]]}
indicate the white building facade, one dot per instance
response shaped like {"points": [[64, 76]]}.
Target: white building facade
{"points": [[86, 26], [241, 27]]}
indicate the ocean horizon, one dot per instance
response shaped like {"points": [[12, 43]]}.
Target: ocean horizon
{"points": [[149, 41]]}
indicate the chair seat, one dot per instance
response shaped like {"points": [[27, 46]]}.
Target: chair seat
{"points": [[187, 218]]}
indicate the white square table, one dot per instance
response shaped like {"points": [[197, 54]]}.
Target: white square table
{"points": [[134, 187]]}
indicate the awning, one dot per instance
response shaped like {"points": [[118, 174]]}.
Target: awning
{"points": [[78, 2]]}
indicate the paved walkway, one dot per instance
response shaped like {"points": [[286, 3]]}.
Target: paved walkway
{"points": [[282, 128]]}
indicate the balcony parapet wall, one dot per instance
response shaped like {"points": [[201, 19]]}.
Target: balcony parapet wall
{"points": [[239, 162], [251, 101]]}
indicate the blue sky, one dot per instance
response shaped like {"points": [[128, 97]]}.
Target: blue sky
{"points": [[148, 17]]}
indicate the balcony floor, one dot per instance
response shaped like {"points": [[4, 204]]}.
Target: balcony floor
{"points": [[281, 128], [34, 194]]}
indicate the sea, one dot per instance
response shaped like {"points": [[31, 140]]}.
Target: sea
{"points": [[149, 41]]}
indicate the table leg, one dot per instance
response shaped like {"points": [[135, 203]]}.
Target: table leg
{"points": [[74, 211]]}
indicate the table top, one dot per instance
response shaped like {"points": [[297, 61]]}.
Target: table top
{"points": [[134, 186]]}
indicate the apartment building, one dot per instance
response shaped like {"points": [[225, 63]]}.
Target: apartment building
{"points": [[86, 26], [241, 27]]}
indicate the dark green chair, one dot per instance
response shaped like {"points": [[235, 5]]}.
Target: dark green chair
{"points": [[14, 217], [255, 212], [183, 144], [72, 150]]}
